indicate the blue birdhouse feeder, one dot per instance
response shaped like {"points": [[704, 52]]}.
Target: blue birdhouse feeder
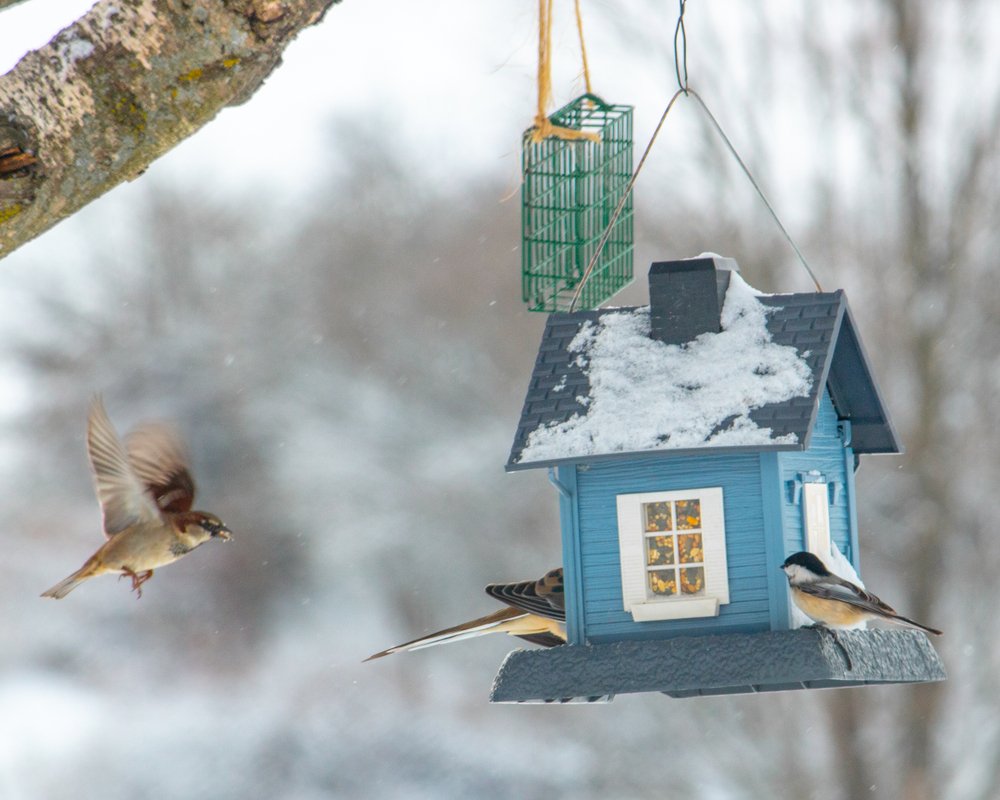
{"points": [[695, 443]]}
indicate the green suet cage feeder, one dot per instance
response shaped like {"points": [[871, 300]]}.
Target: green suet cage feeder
{"points": [[570, 191]]}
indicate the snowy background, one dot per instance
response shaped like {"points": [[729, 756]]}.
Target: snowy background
{"points": [[342, 340]]}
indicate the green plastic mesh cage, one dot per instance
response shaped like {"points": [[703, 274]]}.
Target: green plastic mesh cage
{"points": [[569, 194]]}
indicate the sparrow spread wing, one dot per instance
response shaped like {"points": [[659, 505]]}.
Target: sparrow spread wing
{"points": [[544, 597], [123, 497], [159, 459]]}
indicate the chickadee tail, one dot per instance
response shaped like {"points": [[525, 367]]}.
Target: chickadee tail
{"points": [[67, 585], [909, 623], [502, 621]]}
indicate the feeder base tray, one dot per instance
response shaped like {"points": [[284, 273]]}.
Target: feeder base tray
{"points": [[695, 666]]}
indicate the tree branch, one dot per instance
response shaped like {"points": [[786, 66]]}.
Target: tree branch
{"points": [[119, 88]]}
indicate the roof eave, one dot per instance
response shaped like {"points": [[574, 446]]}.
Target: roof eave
{"points": [[678, 452], [888, 441], [823, 379]]}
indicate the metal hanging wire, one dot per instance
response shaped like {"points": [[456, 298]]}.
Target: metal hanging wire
{"points": [[756, 186], [621, 204], [681, 69], [681, 51]]}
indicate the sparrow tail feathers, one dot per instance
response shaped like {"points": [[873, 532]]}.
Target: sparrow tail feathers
{"points": [[67, 585]]}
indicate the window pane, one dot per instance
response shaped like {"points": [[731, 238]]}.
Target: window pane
{"points": [[692, 580], [657, 516], [659, 550], [688, 514], [663, 582], [689, 547]]}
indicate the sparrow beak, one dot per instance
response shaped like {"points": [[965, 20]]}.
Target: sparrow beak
{"points": [[221, 532]]}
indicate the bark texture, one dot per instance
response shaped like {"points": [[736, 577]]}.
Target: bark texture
{"points": [[121, 86]]}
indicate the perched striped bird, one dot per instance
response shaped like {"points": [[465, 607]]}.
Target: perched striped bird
{"points": [[832, 601], [536, 611], [146, 493]]}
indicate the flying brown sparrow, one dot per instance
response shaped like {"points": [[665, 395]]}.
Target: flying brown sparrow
{"points": [[146, 491], [536, 611]]}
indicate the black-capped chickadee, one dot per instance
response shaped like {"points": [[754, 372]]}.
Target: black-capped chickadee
{"points": [[834, 602]]}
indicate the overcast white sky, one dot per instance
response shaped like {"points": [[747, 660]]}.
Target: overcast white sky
{"points": [[454, 80]]}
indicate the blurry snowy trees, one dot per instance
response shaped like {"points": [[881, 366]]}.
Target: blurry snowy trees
{"points": [[349, 374]]}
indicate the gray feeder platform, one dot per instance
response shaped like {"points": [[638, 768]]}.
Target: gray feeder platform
{"points": [[694, 666]]}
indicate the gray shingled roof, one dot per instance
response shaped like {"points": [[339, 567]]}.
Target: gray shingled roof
{"points": [[818, 325]]}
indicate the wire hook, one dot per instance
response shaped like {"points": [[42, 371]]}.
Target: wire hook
{"points": [[681, 50]]}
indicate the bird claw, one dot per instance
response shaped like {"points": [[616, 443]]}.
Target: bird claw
{"points": [[138, 579]]}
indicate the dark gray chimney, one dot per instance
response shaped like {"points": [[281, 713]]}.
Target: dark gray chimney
{"points": [[686, 297]]}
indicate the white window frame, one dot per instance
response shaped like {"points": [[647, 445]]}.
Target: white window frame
{"points": [[636, 595], [816, 518]]}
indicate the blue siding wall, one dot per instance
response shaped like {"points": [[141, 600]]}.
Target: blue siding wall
{"points": [[774, 498], [763, 525], [600, 570]]}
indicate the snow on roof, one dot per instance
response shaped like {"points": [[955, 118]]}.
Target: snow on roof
{"points": [[647, 395]]}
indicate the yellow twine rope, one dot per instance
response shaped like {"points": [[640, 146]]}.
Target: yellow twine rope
{"points": [[543, 126]]}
